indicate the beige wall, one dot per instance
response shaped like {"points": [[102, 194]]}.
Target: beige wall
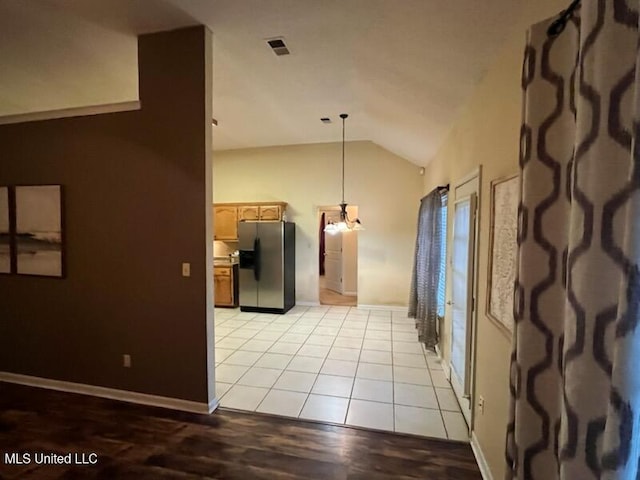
{"points": [[386, 188], [487, 134], [53, 58], [137, 204]]}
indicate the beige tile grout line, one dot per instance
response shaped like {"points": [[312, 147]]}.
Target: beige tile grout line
{"points": [[355, 375], [283, 368], [252, 365], [444, 424], [319, 370]]}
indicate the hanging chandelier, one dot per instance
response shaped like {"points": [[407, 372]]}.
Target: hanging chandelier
{"points": [[345, 224]]}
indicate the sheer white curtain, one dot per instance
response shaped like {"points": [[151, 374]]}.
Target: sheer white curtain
{"points": [[575, 372]]}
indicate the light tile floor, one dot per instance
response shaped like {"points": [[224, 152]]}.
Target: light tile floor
{"points": [[338, 364]]}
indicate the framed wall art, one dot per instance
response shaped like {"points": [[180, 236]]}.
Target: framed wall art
{"points": [[5, 231], [38, 230], [503, 249]]}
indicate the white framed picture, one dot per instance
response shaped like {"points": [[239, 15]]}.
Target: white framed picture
{"points": [[503, 250]]}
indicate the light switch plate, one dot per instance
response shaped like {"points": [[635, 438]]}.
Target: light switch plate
{"points": [[186, 269]]}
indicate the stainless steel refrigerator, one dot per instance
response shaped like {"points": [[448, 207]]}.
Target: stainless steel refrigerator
{"points": [[267, 266]]}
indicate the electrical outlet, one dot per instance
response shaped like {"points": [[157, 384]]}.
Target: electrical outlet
{"points": [[126, 360], [481, 405], [186, 269]]}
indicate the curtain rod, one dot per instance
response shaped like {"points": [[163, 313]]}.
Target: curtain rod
{"points": [[558, 25], [438, 189]]}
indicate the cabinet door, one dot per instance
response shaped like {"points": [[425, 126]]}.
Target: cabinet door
{"points": [[248, 213], [223, 290], [270, 212], [225, 222]]}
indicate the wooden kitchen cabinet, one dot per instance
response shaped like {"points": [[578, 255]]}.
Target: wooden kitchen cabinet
{"points": [[227, 215], [270, 212], [225, 282], [225, 222], [259, 212], [249, 213]]}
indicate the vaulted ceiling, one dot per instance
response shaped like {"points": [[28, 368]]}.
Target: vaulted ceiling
{"points": [[402, 69]]}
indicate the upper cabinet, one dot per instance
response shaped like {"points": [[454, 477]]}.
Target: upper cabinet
{"points": [[225, 221], [249, 213], [227, 215], [270, 212]]}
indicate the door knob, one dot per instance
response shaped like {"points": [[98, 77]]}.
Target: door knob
{"points": [[449, 302]]}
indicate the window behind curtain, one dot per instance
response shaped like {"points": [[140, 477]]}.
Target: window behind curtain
{"points": [[442, 284]]}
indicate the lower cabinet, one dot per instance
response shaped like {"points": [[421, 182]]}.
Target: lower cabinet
{"points": [[225, 281]]}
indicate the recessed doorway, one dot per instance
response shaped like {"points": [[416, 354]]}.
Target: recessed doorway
{"points": [[338, 260], [464, 286]]}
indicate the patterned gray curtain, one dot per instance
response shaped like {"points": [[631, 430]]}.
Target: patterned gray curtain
{"points": [[575, 371], [423, 298]]}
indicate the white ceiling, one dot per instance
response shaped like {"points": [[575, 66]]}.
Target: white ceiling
{"points": [[402, 69]]}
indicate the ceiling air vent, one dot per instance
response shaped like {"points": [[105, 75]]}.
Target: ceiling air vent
{"points": [[278, 46]]}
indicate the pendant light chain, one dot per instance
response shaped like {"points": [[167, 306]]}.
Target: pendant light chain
{"points": [[343, 116], [345, 224]]}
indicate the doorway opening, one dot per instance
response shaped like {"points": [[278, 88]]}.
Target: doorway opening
{"points": [[464, 287], [338, 260]]}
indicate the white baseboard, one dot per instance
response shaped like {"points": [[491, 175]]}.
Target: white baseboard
{"points": [[445, 365], [308, 304], [71, 112], [480, 458], [111, 393], [393, 308], [446, 368]]}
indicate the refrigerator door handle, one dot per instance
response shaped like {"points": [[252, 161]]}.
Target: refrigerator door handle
{"points": [[256, 265]]}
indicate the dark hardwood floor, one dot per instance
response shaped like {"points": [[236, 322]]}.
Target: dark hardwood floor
{"points": [[138, 442]]}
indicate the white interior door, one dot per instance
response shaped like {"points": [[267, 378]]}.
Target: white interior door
{"points": [[462, 288], [333, 256]]}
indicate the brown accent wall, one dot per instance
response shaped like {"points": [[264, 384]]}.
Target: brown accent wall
{"points": [[137, 201]]}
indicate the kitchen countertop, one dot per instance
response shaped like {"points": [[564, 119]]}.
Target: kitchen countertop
{"points": [[224, 261]]}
